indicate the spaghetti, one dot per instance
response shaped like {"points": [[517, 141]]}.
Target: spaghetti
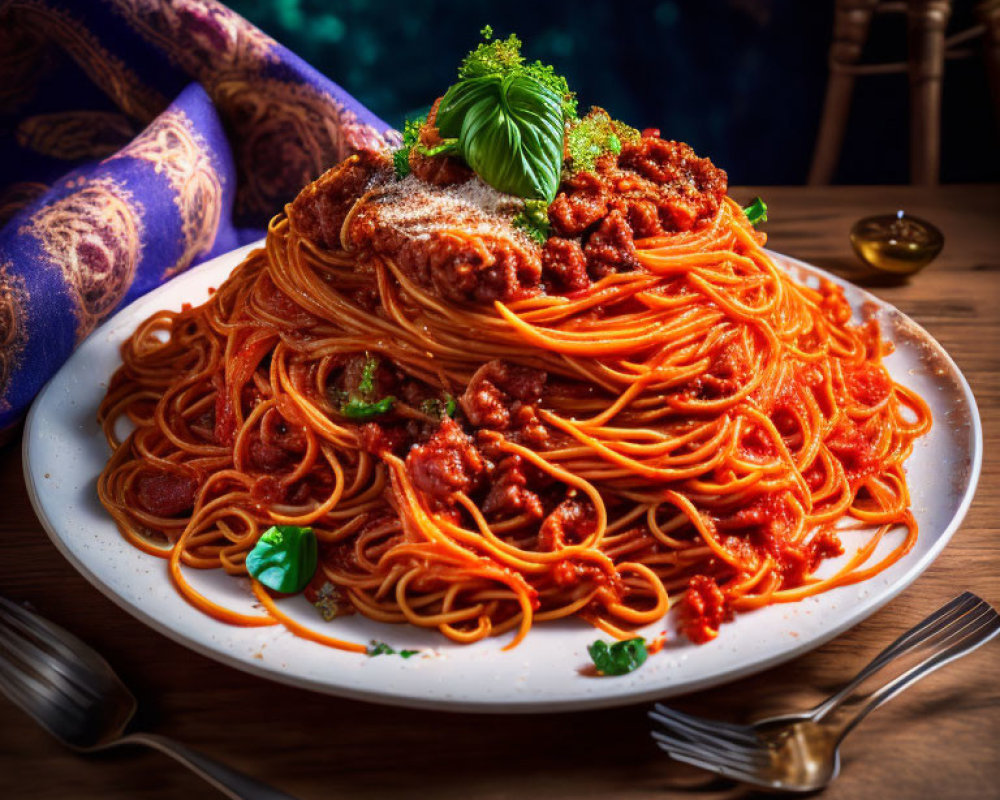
{"points": [[685, 422]]}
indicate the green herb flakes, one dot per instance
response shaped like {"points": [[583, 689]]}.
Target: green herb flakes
{"points": [[594, 136], [376, 648], [534, 220]]}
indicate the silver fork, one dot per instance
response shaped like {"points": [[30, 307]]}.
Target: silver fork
{"points": [[800, 752], [75, 695]]}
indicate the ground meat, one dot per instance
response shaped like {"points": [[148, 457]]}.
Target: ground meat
{"points": [[319, 211], [378, 439], [459, 272], [610, 248], [643, 217], [165, 494], [728, 371], [456, 241], [564, 266], [691, 187], [438, 170], [581, 203], [497, 390], [277, 444], [448, 462], [703, 609], [572, 521], [653, 187], [508, 493]]}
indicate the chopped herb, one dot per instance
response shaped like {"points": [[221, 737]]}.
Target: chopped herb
{"points": [[756, 212], [327, 601], [359, 403], [382, 649], [502, 57], [534, 220], [366, 384], [411, 134], [496, 57], [595, 135], [359, 409], [284, 558], [620, 658], [435, 407]]}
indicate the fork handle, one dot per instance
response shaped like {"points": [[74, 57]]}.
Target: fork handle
{"points": [[953, 631], [227, 780]]}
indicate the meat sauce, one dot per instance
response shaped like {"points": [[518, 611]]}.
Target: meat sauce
{"points": [[453, 235]]}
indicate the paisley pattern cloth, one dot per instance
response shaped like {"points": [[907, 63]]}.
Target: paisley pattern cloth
{"points": [[138, 138]]}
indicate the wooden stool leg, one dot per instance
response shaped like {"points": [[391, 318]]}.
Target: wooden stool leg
{"points": [[851, 21], [988, 12], [927, 20]]}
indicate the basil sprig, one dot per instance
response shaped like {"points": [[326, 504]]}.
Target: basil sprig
{"points": [[756, 212], [284, 558], [509, 130], [620, 658]]}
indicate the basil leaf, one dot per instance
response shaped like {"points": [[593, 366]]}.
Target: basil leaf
{"points": [[756, 211], [359, 409], [619, 659], [458, 101], [284, 558], [509, 131]]}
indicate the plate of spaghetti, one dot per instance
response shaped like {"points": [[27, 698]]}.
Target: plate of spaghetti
{"points": [[525, 402]]}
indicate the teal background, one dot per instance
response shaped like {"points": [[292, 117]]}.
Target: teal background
{"points": [[740, 80]]}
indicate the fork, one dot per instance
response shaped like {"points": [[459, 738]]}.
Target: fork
{"points": [[800, 752], [74, 694]]}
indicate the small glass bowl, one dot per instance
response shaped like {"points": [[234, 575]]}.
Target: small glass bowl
{"points": [[896, 243]]}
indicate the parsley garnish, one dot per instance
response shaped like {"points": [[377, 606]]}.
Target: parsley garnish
{"points": [[534, 220], [360, 404], [437, 408], [359, 409], [376, 648], [411, 134], [620, 658], [595, 135]]}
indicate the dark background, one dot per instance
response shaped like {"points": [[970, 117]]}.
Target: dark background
{"points": [[740, 80]]}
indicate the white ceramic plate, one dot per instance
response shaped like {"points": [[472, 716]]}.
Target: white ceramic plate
{"points": [[64, 452]]}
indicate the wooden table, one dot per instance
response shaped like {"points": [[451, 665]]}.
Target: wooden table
{"points": [[940, 740]]}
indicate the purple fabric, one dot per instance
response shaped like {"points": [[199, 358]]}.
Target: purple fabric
{"points": [[141, 137]]}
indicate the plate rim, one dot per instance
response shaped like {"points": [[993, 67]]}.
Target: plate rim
{"points": [[388, 695]]}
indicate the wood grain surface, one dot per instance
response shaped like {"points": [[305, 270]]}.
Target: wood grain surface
{"points": [[941, 739]]}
